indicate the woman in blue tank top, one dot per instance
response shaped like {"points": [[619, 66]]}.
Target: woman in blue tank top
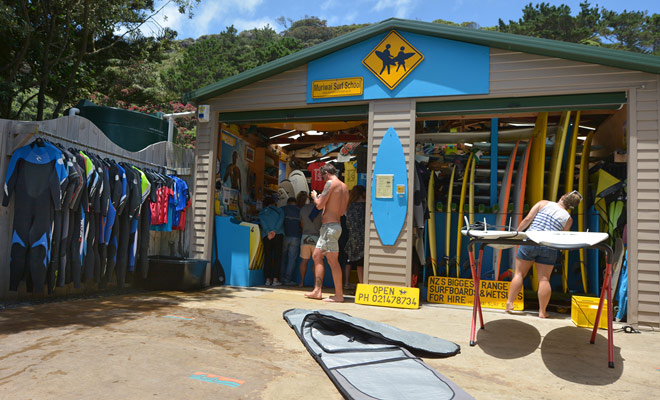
{"points": [[544, 216]]}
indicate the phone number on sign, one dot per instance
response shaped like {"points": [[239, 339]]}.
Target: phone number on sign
{"points": [[387, 299]]}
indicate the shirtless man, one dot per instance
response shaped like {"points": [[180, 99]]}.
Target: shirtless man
{"points": [[333, 201]]}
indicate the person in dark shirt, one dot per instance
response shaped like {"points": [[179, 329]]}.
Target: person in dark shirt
{"points": [[291, 243]]}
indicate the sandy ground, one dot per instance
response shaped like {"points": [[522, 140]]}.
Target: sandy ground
{"points": [[153, 345]]}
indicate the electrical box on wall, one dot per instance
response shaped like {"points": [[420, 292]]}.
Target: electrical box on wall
{"points": [[203, 113]]}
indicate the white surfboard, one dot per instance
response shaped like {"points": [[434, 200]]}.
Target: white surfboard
{"points": [[298, 181], [495, 234], [567, 239]]}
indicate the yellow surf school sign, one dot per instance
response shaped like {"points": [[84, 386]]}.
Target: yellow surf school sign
{"points": [[458, 291]]}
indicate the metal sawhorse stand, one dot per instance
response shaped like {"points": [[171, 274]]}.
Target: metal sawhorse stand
{"points": [[606, 292]]}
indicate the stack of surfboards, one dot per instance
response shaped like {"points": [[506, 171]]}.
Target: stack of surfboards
{"points": [[532, 165]]}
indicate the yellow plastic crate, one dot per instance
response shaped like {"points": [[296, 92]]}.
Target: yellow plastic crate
{"points": [[584, 310]]}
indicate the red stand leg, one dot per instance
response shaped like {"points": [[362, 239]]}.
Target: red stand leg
{"points": [[475, 303], [478, 285], [606, 292]]}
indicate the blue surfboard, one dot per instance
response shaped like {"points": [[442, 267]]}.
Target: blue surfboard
{"points": [[389, 210]]}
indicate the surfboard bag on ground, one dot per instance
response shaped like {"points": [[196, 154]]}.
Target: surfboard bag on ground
{"points": [[372, 360]]}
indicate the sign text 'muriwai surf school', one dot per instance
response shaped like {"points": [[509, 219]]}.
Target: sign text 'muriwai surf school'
{"points": [[337, 87]]}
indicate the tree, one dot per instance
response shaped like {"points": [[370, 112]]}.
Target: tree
{"points": [[555, 22], [50, 46], [628, 30], [215, 57]]}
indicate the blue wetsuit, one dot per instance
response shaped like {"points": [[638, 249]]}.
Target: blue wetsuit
{"points": [[36, 173]]}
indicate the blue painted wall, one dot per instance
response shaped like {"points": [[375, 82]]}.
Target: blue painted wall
{"points": [[449, 68]]}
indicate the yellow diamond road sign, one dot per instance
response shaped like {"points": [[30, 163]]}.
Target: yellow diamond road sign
{"points": [[392, 59]]}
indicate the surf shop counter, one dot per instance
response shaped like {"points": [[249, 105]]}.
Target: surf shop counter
{"points": [[238, 251]]}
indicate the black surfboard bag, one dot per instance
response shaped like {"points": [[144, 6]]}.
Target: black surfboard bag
{"points": [[371, 360]]}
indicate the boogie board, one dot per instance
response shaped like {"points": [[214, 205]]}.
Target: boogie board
{"points": [[505, 190], [389, 188], [569, 177], [298, 181]]}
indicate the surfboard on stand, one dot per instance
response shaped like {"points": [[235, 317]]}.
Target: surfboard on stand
{"points": [[505, 190], [569, 177], [433, 249], [535, 171], [461, 212], [582, 215], [448, 220]]}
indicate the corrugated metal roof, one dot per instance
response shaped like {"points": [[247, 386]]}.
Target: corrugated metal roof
{"points": [[526, 44]]}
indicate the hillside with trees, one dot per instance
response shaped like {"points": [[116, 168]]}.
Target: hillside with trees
{"points": [[60, 54]]}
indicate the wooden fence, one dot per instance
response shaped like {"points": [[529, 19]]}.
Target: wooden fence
{"points": [[78, 132]]}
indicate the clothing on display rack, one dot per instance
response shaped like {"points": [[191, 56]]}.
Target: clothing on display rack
{"points": [[79, 217]]}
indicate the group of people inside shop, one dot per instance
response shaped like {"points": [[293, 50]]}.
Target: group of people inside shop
{"points": [[312, 225]]}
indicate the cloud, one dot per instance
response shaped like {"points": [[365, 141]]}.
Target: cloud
{"points": [[400, 8], [211, 16], [243, 25]]}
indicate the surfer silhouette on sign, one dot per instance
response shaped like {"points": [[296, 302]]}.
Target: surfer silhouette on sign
{"points": [[401, 58], [387, 59]]}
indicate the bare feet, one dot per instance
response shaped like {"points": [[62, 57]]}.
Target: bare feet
{"points": [[509, 307], [314, 295], [543, 314], [334, 299]]}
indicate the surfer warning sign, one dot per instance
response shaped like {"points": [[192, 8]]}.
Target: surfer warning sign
{"points": [[392, 59], [458, 291]]}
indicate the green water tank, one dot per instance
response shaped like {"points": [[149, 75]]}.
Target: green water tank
{"points": [[130, 130]]}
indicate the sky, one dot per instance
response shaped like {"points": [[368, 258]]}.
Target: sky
{"points": [[214, 16]]}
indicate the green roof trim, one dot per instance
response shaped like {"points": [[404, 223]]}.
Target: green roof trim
{"points": [[595, 101], [506, 41], [340, 113]]}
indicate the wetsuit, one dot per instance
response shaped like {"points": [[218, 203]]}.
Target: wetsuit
{"points": [[35, 173], [142, 234], [93, 186], [70, 191], [119, 196], [77, 226], [72, 199], [124, 233]]}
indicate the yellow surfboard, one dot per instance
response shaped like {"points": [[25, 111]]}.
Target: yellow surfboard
{"points": [[535, 171], [255, 241], [557, 156], [431, 225], [461, 212], [569, 177], [582, 187], [448, 219], [471, 195]]}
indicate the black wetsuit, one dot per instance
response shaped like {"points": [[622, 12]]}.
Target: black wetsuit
{"points": [[35, 174], [119, 196]]}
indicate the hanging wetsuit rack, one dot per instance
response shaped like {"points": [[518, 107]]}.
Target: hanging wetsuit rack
{"points": [[38, 132]]}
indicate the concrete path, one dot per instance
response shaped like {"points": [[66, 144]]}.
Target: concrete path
{"points": [[157, 345]]}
